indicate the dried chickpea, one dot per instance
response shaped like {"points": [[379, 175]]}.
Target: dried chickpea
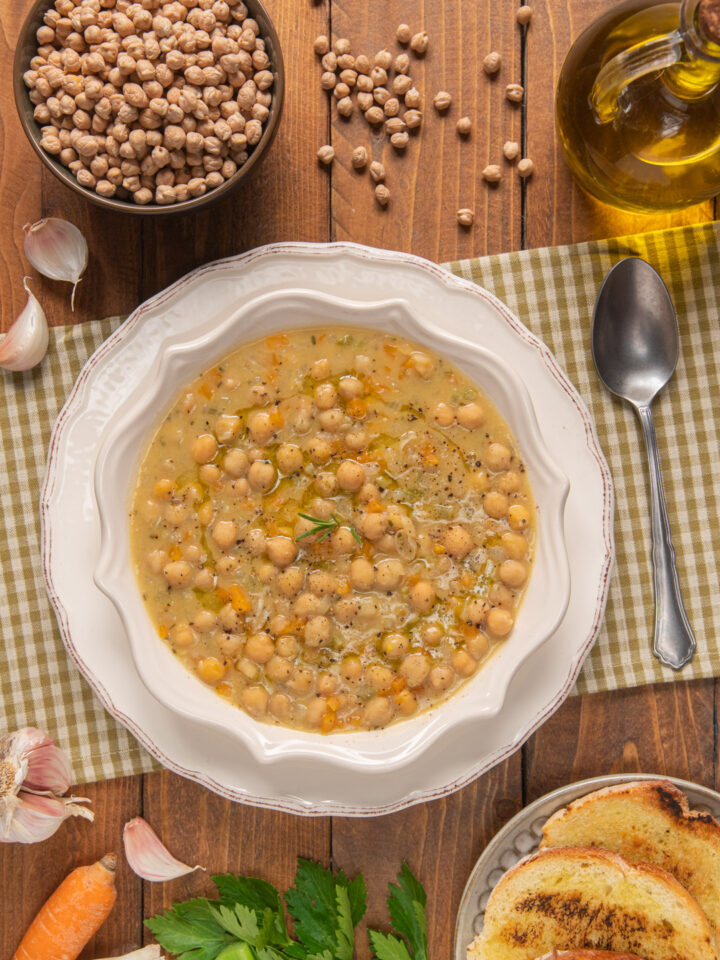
{"points": [[525, 167], [413, 119], [321, 45], [359, 158], [465, 217], [382, 194], [514, 92], [419, 43], [442, 101], [492, 63], [377, 171]]}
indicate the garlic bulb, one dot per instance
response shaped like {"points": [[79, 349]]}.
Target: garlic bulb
{"points": [[57, 250], [148, 856], [34, 773], [26, 342]]}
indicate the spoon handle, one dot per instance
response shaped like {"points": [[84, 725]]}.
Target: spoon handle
{"points": [[674, 642]]}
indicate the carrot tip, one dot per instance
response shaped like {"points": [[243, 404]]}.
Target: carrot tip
{"points": [[109, 861]]}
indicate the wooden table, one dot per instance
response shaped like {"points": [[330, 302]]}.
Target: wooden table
{"points": [[667, 729]]}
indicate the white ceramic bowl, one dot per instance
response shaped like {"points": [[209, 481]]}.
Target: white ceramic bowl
{"points": [[180, 360]]}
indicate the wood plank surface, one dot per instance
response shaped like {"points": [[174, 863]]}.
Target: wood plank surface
{"points": [[665, 729]]}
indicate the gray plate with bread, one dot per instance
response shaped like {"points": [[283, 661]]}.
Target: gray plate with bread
{"points": [[611, 868]]}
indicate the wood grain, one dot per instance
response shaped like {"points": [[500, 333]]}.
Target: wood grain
{"points": [[200, 827], [667, 729], [30, 873], [439, 172], [440, 842]]}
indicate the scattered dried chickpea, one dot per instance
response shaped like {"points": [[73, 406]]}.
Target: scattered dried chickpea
{"points": [[524, 15], [359, 158], [403, 34], [377, 171], [394, 125], [382, 194], [492, 173], [514, 92], [413, 99], [419, 42], [321, 45], [511, 150], [400, 140], [464, 126], [492, 63], [326, 154], [525, 167], [442, 101], [345, 107], [412, 118], [465, 217], [375, 115]]}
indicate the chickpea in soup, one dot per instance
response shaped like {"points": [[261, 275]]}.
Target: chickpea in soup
{"points": [[333, 528]]}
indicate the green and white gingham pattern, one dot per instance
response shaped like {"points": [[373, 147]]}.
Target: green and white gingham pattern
{"points": [[552, 291], [39, 684]]}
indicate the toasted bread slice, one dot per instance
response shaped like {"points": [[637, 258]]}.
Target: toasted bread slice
{"points": [[571, 897], [588, 955], [648, 821]]}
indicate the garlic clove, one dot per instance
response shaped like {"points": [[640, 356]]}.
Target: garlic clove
{"points": [[151, 952], [26, 342], [36, 817], [148, 857], [57, 249], [48, 766]]}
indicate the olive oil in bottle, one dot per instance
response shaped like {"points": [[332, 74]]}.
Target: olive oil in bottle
{"points": [[638, 105]]}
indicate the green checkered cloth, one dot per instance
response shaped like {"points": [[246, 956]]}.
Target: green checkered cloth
{"points": [[552, 291]]}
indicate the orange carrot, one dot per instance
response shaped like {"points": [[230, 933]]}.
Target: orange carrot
{"points": [[72, 914]]}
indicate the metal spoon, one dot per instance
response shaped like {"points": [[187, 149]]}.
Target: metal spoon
{"points": [[635, 346]]}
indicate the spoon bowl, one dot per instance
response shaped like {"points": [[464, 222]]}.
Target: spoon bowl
{"points": [[635, 339], [635, 344]]}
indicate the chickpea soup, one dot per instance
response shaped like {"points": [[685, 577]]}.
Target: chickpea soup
{"points": [[333, 528]]}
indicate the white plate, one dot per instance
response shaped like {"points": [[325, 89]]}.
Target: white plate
{"points": [[186, 356], [522, 835], [92, 629]]}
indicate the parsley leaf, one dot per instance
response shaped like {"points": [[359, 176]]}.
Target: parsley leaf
{"points": [[406, 904], [257, 895], [388, 947], [190, 930], [325, 910]]}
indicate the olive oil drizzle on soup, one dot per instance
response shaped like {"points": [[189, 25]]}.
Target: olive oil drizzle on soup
{"points": [[333, 528]]}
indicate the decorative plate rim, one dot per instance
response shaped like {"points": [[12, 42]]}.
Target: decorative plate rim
{"points": [[563, 795], [289, 803]]}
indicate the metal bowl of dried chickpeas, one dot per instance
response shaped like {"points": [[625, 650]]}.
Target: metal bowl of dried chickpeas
{"points": [[149, 107]]}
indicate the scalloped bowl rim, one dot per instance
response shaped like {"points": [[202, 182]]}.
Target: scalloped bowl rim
{"points": [[125, 440]]}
